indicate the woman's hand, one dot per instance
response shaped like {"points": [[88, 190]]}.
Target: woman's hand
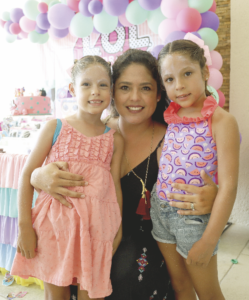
{"points": [[27, 242], [202, 197], [53, 180]]}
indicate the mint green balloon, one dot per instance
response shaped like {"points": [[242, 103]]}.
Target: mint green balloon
{"points": [[64, 2], [135, 14], [34, 37], [210, 37], [43, 38], [30, 9], [53, 3], [155, 17], [49, 1], [104, 22], [10, 38], [201, 5], [81, 26], [5, 16], [214, 93]]}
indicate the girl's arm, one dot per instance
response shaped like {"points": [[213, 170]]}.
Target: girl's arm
{"points": [[26, 243], [116, 175], [226, 135]]}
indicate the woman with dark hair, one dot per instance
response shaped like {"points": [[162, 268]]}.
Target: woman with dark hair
{"points": [[138, 269]]}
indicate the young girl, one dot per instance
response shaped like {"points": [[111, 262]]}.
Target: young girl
{"points": [[199, 134], [57, 244]]}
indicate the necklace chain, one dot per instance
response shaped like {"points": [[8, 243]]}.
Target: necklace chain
{"points": [[147, 168]]}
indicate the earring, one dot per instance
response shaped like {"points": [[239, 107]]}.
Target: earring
{"points": [[158, 100]]}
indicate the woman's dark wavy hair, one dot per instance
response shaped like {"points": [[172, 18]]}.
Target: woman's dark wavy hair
{"points": [[146, 59]]}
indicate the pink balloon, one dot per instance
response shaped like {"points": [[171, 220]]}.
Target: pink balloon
{"points": [[213, 7], [15, 28], [217, 60], [189, 19], [73, 4], [215, 79], [43, 7], [2, 22], [171, 8], [26, 24], [124, 21], [166, 27], [23, 35], [222, 98]]}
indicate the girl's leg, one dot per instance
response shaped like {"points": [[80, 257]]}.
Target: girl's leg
{"points": [[180, 279], [83, 295], [53, 292], [205, 280]]}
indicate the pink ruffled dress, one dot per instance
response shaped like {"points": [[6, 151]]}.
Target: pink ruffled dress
{"points": [[77, 243]]}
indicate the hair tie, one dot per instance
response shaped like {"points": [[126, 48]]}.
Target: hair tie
{"points": [[75, 61]]}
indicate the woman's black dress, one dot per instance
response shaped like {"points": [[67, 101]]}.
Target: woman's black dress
{"points": [[138, 269]]}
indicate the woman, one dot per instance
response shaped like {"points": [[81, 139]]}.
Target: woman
{"points": [[138, 270]]}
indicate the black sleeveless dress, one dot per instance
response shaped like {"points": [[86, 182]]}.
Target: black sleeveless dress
{"points": [[138, 269]]}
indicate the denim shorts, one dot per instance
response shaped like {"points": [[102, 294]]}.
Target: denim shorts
{"points": [[171, 228]]}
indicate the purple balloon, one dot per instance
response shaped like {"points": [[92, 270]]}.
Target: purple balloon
{"points": [[42, 21], [95, 7], [39, 30], [210, 20], [174, 36], [119, 24], [95, 30], [156, 50], [83, 8], [150, 4], [16, 14], [197, 34], [60, 16], [7, 26], [60, 33], [115, 7]]}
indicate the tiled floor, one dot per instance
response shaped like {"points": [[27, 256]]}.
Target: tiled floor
{"points": [[234, 278]]}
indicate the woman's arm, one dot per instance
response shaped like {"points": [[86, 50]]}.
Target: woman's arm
{"points": [[116, 175]]}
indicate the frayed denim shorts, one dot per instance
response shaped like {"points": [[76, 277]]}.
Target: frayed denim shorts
{"points": [[171, 228]]}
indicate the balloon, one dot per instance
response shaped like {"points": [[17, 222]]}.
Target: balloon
{"points": [[171, 8], [156, 50], [16, 14], [166, 27], [174, 36], [5, 16], [43, 38], [188, 20], [7, 26], [60, 16], [26, 24], [53, 3], [10, 38], [215, 78], [2, 22], [210, 37], [217, 60], [81, 26], [83, 8], [201, 5], [105, 23], [150, 5], [214, 93], [42, 21], [135, 14], [155, 17], [15, 28], [122, 19], [34, 37], [30, 9], [58, 33], [73, 4], [23, 35], [39, 30], [95, 7], [43, 7], [196, 34], [213, 7], [222, 98], [48, 1], [211, 20], [116, 7]]}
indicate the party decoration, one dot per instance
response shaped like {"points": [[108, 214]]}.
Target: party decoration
{"points": [[15, 28], [81, 26], [43, 7], [217, 60], [135, 14], [39, 30], [166, 27], [171, 8], [214, 93], [210, 37], [211, 20], [5, 16], [2, 22], [215, 78], [10, 38], [123, 20], [33, 37], [201, 5], [60, 16], [53, 3], [7, 26], [16, 14], [116, 7], [196, 34], [213, 7], [58, 33], [156, 50], [83, 8], [222, 98], [43, 38], [174, 36], [42, 21], [73, 4], [30, 9], [105, 23], [95, 7], [188, 20], [26, 24], [155, 17], [150, 5], [23, 35]]}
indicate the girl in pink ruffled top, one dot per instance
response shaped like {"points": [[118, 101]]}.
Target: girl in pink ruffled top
{"points": [[200, 136], [60, 245]]}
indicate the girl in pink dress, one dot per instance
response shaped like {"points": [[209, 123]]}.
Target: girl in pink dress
{"points": [[60, 245], [200, 136]]}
